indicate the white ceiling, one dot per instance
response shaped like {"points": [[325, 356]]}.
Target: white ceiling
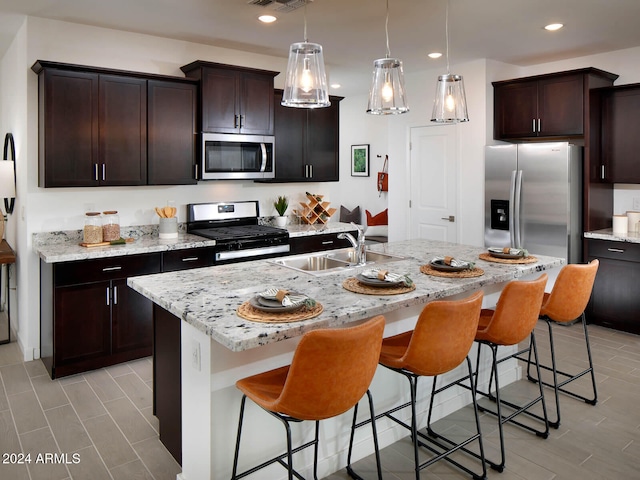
{"points": [[352, 31]]}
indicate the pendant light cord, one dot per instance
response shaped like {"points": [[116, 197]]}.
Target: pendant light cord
{"points": [[386, 29], [306, 40], [446, 32]]}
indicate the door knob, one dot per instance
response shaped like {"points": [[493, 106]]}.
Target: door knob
{"points": [[451, 218]]}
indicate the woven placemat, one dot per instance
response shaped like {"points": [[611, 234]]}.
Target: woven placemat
{"points": [[353, 285], [248, 312], [489, 258], [475, 272]]}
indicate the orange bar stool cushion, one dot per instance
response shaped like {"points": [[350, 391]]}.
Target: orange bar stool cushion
{"points": [[571, 291]]}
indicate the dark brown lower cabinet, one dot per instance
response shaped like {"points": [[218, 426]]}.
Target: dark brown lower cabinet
{"points": [[90, 318], [615, 301]]}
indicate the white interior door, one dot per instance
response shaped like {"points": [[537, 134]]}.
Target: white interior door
{"points": [[434, 193]]}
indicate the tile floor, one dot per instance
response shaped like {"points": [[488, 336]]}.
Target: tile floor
{"points": [[105, 418]]}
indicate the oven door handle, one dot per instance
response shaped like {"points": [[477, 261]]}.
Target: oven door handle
{"points": [[263, 148]]}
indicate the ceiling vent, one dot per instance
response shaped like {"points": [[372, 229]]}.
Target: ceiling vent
{"points": [[280, 5]]}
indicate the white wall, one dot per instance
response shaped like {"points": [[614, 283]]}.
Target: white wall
{"points": [[40, 209]]}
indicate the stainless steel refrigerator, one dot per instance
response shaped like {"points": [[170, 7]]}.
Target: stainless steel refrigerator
{"points": [[533, 198]]}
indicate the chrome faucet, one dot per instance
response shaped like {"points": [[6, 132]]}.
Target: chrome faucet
{"points": [[358, 245]]}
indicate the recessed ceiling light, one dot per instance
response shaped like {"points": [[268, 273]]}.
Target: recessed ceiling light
{"points": [[435, 55], [267, 18], [553, 26], [335, 85]]}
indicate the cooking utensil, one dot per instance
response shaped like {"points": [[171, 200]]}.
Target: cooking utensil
{"points": [[160, 212]]}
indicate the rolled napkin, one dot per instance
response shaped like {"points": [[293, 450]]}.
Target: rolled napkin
{"points": [[452, 262], [521, 252], [285, 297], [385, 275]]}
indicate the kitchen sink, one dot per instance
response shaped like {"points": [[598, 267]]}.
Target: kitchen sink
{"points": [[332, 261]]}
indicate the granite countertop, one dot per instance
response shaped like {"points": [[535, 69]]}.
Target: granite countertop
{"points": [[607, 234], [207, 298], [64, 246]]}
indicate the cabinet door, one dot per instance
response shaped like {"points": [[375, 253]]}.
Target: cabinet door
{"points": [[256, 104], [131, 319], [171, 133], [322, 143], [561, 106], [123, 130], [620, 139], [219, 101], [290, 128], [515, 110], [82, 326], [68, 128]]}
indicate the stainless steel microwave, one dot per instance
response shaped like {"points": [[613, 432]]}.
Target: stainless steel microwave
{"points": [[233, 157]]}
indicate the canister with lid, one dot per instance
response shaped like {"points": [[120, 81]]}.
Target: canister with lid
{"points": [[92, 227], [111, 226]]}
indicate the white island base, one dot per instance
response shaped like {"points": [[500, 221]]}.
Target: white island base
{"points": [[211, 404]]}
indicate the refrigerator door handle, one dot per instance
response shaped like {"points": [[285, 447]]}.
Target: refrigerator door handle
{"points": [[518, 209], [512, 203]]}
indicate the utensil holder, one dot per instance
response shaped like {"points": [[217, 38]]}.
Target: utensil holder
{"points": [[168, 227]]}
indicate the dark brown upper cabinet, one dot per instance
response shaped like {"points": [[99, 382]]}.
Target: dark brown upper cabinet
{"points": [[307, 142], [545, 106], [620, 139], [100, 127], [233, 99]]}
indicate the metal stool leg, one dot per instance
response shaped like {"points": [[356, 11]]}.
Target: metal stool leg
{"points": [[355, 425]]}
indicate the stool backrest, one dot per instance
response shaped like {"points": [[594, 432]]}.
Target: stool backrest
{"points": [[331, 370], [571, 292], [443, 335], [517, 311]]}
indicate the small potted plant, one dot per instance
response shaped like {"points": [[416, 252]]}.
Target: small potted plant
{"points": [[281, 205]]}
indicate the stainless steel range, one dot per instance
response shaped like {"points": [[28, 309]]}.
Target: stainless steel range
{"points": [[234, 227]]}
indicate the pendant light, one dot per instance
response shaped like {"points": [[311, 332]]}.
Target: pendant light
{"points": [[305, 85], [387, 95], [450, 104]]}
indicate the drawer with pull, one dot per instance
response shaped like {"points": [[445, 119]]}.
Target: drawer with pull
{"points": [[185, 259], [86, 271], [626, 251]]}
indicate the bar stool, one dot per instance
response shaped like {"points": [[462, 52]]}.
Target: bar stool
{"points": [[510, 323], [565, 306], [440, 342], [330, 372]]}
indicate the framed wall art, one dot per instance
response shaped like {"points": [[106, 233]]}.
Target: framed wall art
{"points": [[359, 160]]}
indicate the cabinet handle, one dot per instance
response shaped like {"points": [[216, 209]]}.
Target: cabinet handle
{"points": [[195, 171], [104, 170], [95, 171], [533, 128], [241, 120], [602, 172], [190, 259], [616, 250], [328, 242], [538, 125], [115, 295], [235, 121], [111, 269], [108, 296], [311, 171]]}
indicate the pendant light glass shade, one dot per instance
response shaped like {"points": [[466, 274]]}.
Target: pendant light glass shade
{"points": [[450, 104], [305, 85], [387, 95]]}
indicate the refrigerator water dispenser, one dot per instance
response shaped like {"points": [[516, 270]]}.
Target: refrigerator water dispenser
{"points": [[500, 214]]}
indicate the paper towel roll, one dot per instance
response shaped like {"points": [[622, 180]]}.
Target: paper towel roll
{"points": [[633, 221], [620, 224]]}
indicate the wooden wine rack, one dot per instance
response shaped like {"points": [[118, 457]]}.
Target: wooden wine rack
{"points": [[316, 211]]}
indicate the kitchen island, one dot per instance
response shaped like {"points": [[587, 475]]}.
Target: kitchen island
{"points": [[217, 347]]}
